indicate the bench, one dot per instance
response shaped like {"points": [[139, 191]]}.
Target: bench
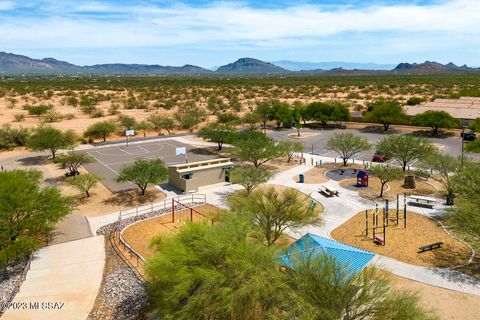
{"points": [[420, 201], [430, 246], [327, 192], [378, 240]]}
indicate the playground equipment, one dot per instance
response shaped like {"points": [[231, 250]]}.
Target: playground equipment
{"points": [[386, 218], [362, 178]]}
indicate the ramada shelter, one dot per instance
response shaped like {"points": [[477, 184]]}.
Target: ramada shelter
{"points": [[188, 177]]}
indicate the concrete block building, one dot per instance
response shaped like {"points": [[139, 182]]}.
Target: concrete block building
{"points": [[188, 177]]}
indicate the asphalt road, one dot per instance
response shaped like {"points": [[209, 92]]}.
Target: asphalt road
{"points": [[318, 141]]}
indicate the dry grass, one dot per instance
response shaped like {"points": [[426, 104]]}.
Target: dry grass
{"points": [[402, 244], [391, 189], [140, 235]]}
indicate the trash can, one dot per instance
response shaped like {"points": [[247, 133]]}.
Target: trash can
{"points": [[301, 178]]}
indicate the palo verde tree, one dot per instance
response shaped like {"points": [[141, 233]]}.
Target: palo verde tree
{"points": [[51, 139], [466, 213], [27, 212], [274, 211], [444, 166], [405, 148], [254, 147], [143, 173], [435, 120], [101, 130], [161, 122], [238, 277], [385, 174], [264, 112], [385, 112], [188, 118], [282, 114], [347, 145], [319, 111], [84, 183], [249, 177], [73, 160], [143, 126], [218, 133], [289, 148], [321, 287], [475, 125]]}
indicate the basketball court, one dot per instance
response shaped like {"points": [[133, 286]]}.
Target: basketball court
{"points": [[110, 160]]}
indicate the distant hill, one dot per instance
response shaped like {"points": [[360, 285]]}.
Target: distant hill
{"points": [[308, 66], [429, 67], [18, 64], [251, 66]]}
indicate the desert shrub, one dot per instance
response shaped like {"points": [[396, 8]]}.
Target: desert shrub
{"points": [[69, 116], [19, 117], [52, 116], [13, 137]]}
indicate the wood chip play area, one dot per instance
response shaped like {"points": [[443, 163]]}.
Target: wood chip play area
{"points": [[139, 235], [403, 243]]}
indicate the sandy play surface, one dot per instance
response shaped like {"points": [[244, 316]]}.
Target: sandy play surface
{"points": [[402, 244]]}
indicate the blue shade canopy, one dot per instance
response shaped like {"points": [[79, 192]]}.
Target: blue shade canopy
{"points": [[353, 259]]}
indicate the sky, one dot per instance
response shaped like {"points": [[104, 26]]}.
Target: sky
{"points": [[213, 33]]}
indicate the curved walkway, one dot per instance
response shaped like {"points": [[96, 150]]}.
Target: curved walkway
{"points": [[62, 282], [340, 209]]}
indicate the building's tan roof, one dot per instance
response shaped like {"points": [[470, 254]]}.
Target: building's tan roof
{"points": [[463, 108]]}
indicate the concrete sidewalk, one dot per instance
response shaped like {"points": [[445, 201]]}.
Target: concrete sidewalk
{"points": [[62, 283]]}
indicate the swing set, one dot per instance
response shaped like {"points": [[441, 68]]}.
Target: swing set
{"points": [[381, 237]]}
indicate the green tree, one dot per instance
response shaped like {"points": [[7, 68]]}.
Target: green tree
{"points": [[217, 272], [27, 212], [143, 126], [73, 160], [347, 145], [84, 183], [473, 146], [282, 114], [72, 101], [218, 133], [274, 211], [385, 174], [340, 111], [322, 288], [385, 112], [52, 139], [319, 111], [11, 137], [466, 213], [228, 118], [264, 112], [405, 148], [39, 110], [251, 119], [143, 173], [189, 118], [444, 166], [126, 122], [101, 130], [475, 125], [215, 104], [412, 101], [249, 177], [254, 147], [161, 122], [435, 120], [289, 148]]}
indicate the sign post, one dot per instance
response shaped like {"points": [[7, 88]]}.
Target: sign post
{"points": [[180, 151], [128, 133]]}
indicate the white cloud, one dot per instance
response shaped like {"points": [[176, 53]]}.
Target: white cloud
{"points": [[222, 24], [6, 5]]}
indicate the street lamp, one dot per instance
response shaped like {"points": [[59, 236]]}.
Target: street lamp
{"points": [[463, 141]]}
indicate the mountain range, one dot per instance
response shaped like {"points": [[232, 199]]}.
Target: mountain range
{"points": [[18, 64]]}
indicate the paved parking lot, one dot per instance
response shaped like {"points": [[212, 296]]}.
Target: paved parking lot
{"points": [[318, 141], [110, 160]]}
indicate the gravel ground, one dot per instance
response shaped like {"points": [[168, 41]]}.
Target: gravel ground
{"points": [[9, 279], [122, 295]]}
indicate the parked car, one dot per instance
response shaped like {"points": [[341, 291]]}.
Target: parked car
{"points": [[379, 158], [469, 136]]}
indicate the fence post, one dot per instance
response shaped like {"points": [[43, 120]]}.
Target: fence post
{"points": [[173, 211], [191, 215]]}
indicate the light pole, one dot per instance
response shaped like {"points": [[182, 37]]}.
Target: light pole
{"points": [[463, 141]]}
